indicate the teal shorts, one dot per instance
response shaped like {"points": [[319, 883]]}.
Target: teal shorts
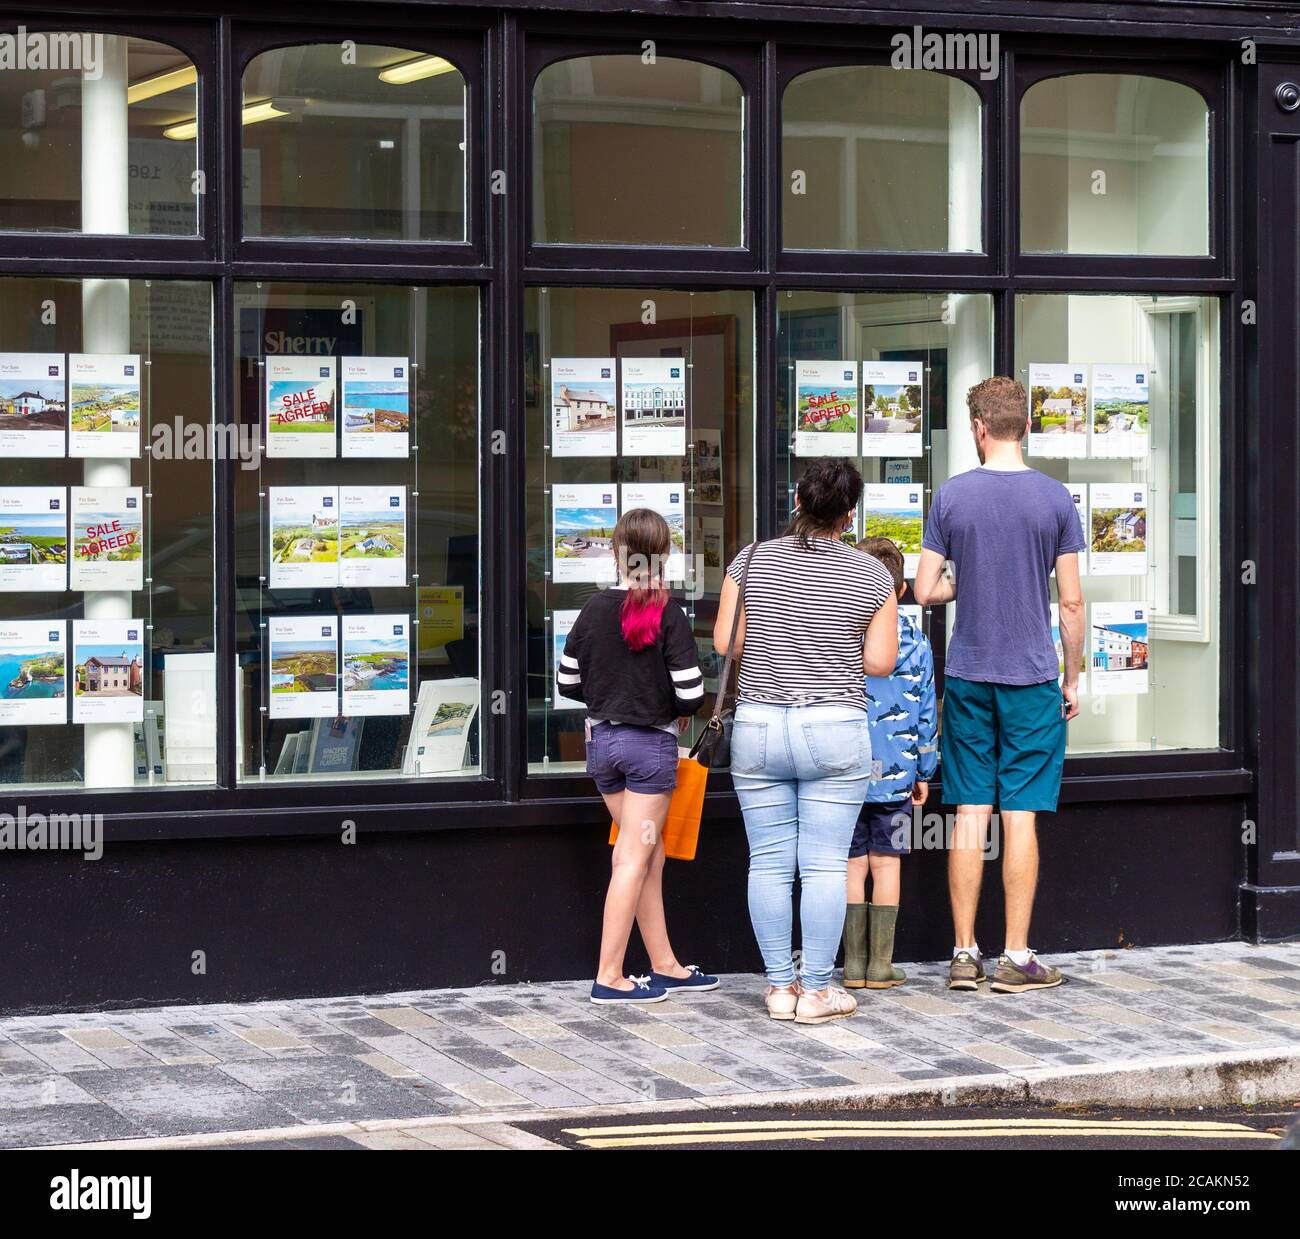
{"points": [[1002, 744]]}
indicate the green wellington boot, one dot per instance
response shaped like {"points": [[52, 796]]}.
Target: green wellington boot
{"points": [[881, 973], [855, 945]]}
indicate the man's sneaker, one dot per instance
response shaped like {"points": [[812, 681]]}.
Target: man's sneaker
{"points": [[641, 991], [832, 1003], [697, 981], [1010, 978], [781, 1000], [966, 971]]}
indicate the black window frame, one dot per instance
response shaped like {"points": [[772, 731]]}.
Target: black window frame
{"points": [[500, 259]]}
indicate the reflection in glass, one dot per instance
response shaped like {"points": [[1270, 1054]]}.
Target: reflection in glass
{"points": [[881, 159], [357, 536], [370, 146], [625, 151], [662, 412], [1172, 342], [108, 146], [108, 554], [1114, 164]]}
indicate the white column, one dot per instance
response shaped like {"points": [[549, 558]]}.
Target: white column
{"points": [[970, 334], [106, 328]]}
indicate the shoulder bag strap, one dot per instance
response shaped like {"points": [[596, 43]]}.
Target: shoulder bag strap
{"points": [[720, 701]]}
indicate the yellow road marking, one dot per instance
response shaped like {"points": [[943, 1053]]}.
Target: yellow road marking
{"points": [[649, 1135], [1203, 1126]]}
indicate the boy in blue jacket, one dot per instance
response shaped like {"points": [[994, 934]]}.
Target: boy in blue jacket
{"points": [[902, 718]]}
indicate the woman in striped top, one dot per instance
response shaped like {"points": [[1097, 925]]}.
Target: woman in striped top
{"points": [[816, 615]]}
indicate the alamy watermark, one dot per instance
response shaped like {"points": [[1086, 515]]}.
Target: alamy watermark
{"points": [[62, 51], [52, 832], [181, 440], [917, 831], [928, 49]]}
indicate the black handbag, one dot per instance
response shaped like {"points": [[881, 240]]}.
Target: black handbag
{"points": [[713, 747]]}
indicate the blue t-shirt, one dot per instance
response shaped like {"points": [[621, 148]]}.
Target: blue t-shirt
{"points": [[1003, 531]]}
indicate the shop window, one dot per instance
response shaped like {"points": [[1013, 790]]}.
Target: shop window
{"points": [[364, 141], [880, 378], [613, 137], [634, 398], [101, 138], [107, 652], [1123, 392], [357, 533], [881, 159], [1114, 164]]}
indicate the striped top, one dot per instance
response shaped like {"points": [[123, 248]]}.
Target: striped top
{"points": [[806, 615]]}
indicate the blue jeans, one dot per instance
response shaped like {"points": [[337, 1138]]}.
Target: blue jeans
{"points": [[801, 773]]}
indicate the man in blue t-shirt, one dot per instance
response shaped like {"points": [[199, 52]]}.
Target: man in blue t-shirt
{"points": [[1005, 528]]}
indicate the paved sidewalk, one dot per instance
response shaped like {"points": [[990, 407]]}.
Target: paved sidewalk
{"points": [[473, 1055]]}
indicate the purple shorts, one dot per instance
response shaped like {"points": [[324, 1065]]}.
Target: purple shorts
{"points": [[640, 759]]}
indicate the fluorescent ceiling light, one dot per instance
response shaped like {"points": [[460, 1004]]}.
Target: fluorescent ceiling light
{"points": [[253, 112], [415, 70], [173, 79]]}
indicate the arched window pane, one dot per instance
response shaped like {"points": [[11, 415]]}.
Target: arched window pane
{"points": [[881, 159], [369, 145], [1114, 164], [102, 138], [640, 153]]}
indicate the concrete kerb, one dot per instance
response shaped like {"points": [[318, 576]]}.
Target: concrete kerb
{"points": [[1237, 1077]]}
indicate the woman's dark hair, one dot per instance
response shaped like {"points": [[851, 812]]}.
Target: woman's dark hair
{"points": [[828, 491]]}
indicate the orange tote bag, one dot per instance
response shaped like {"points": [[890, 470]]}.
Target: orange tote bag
{"points": [[682, 829]]}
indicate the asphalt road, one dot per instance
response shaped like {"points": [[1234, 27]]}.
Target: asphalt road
{"points": [[1006, 1128]]}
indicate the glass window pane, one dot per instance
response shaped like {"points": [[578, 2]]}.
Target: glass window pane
{"points": [[881, 159], [896, 368], [107, 650], [368, 145], [103, 140], [640, 153], [1148, 484], [357, 532], [1114, 164], [634, 398]]}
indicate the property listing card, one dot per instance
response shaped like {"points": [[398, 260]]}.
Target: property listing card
{"points": [[562, 625], [372, 535], [444, 714], [107, 537], [707, 550], [1118, 524], [376, 664], [303, 654], [893, 510], [1079, 496], [108, 671], [1121, 410], [33, 404], [708, 466], [826, 408], [376, 406], [1058, 410], [654, 406], [33, 672], [1060, 653], [892, 408], [104, 395], [583, 517], [583, 421], [304, 525], [1120, 648], [669, 500], [301, 404], [33, 538]]}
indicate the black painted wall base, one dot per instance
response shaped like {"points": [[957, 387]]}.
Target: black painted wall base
{"points": [[1270, 913], [237, 920]]}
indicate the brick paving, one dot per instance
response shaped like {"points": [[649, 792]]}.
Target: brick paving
{"points": [[520, 1049]]}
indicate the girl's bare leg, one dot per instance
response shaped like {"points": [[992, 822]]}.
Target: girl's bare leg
{"points": [[640, 821]]}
